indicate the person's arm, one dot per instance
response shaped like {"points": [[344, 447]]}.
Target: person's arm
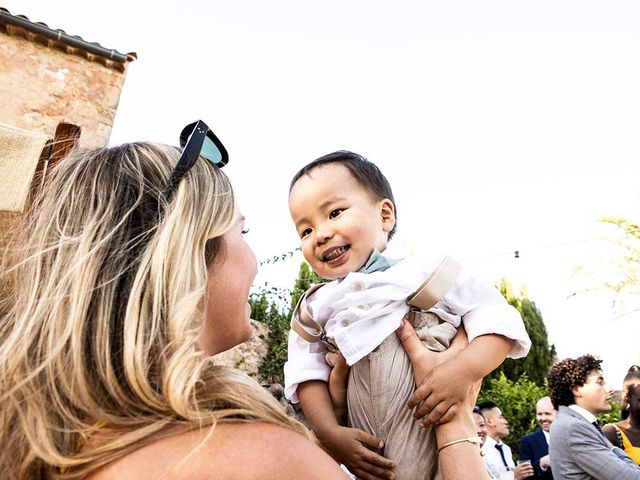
{"points": [[609, 432], [437, 396], [350, 446], [584, 445], [462, 460]]}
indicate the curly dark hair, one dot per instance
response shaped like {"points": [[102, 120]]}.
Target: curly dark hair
{"points": [[569, 373]]}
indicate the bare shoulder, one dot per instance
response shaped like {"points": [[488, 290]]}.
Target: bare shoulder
{"points": [[235, 450], [610, 433]]}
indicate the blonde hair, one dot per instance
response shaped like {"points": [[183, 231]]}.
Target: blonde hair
{"points": [[107, 289]]}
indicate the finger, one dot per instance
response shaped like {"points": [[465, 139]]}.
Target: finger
{"points": [[369, 441], [428, 404], [372, 469], [364, 475], [331, 358], [448, 415], [410, 341], [436, 414], [341, 367], [422, 393], [377, 460]]}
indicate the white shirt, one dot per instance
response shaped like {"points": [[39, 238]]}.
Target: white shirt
{"points": [[361, 310], [493, 459], [584, 412]]}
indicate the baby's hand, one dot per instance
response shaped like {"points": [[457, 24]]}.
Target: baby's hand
{"points": [[442, 392], [357, 450]]}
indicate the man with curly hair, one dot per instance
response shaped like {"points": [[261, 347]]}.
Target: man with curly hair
{"points": [[577, 448]]}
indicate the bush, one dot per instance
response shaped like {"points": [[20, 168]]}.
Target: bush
{"points": [[517, 400], [615, 415]]}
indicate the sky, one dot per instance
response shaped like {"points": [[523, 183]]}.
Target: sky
{"points": [[502, 126]]}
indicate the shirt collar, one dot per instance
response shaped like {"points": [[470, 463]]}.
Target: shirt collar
{"points": [[490, 442], [590, 417]]}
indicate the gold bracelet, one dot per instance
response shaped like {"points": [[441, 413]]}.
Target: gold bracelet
{"points": [[476, 440]]}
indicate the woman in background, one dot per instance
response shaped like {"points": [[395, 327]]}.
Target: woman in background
{"points": [[626, 433]]}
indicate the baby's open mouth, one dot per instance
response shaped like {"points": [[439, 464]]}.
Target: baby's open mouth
{"points": [[334, 253]]}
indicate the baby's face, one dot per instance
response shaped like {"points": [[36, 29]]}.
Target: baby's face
{"points": [[338, 221]]}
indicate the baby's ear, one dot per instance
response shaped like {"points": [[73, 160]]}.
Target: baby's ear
{"points": [[387, 214]]}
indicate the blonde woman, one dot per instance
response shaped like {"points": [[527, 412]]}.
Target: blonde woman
{"points": [[131, 272]]}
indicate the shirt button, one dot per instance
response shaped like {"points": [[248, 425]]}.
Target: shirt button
{"points": [[357, 286], [363, 307], [344, 323]]}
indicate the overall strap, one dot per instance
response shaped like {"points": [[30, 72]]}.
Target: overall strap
{"points": [[301, 319], [436, 285]]}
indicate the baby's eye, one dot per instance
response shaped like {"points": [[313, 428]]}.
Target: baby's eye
{"points": [[305, 232], [336, 212], [245, 230]]}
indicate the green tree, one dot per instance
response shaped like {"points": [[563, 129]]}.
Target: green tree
{"points": [[266, 307], [517, 400], [536, 364]]}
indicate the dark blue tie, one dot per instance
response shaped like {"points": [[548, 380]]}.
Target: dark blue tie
{"points": [[504, 460], [597, 425]]}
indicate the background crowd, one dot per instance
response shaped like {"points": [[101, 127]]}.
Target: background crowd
{"points": [[569, 443]]}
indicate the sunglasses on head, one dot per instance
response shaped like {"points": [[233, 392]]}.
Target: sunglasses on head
{"points": [[197, 140]]}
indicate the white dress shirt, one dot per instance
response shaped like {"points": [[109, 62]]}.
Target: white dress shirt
{"points": [[584, 412], [493, 460], [361, 310]]}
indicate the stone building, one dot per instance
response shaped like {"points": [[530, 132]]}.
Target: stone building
{"points": [[54, 82]]}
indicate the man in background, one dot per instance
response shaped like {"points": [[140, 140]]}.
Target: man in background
{"points": [[535, 446], [578, 449], [498, 454]]}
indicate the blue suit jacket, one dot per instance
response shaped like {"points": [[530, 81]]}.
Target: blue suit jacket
{"points": [[533, 447]]}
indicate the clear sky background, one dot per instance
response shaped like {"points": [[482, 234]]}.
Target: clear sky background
{"points": [[502, 125]]}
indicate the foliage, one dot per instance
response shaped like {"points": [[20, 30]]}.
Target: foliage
{"points": [[618, 269], [536, 364], [615, 415], [265, 308], [517, 400]]}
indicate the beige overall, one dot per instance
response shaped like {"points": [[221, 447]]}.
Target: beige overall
{"points": [[381, 383]]}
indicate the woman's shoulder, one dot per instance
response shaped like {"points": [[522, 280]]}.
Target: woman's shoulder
{"points": [[233, 450], [613, 433]]}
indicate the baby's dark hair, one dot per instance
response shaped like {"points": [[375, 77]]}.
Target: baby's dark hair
{"points": [[567, 374], [366, 173]]}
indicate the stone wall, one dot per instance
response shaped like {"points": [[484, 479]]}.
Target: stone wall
{"points": [[248, 356], [42, 86]]}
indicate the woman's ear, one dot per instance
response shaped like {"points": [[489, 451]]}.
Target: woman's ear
{"points": [[387, 214]]}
